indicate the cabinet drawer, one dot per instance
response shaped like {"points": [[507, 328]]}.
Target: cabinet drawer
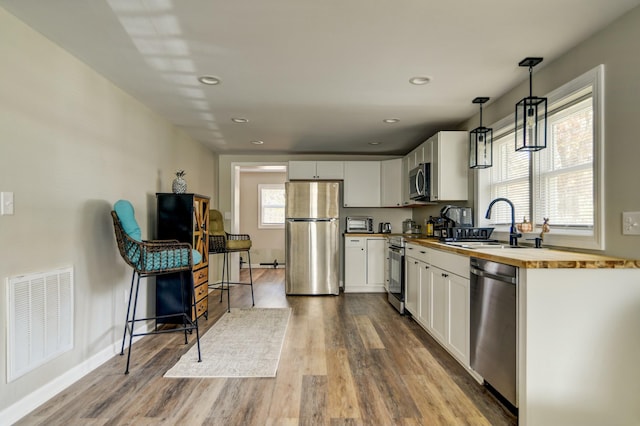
{"points": [[201, 291], [418, 252], [200, 276], [455, 263], [201, 308], [354, 242]]}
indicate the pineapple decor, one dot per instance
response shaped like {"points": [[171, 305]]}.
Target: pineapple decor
{"points": [[179, 185]]}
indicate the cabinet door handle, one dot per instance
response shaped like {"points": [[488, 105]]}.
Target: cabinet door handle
{"points": [[445, 275]]}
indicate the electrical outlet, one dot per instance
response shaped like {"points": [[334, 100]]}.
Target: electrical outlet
{"points": [[630, 223]]}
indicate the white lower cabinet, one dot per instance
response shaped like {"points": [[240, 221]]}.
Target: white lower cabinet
{"points": [[417, 285], [438, 298], [376, 259], [439, 305], [458, 317], [355, 262], [364, 259], [412, 283]]}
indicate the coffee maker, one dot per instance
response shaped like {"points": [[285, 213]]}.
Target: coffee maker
{"points": [[452, 218], [457, 216]]}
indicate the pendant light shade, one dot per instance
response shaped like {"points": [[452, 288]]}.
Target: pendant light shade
{"points": [[531, 116], [480, 143]]}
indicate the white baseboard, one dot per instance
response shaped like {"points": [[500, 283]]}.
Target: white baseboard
{"points": [[15, 412], [259, 266]]}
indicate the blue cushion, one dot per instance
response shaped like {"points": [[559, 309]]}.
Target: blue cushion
{"points": [[197, 257], [124, 210], [170, 259]]}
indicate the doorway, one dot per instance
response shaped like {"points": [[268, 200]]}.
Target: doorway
{"points": [[251, 185]]}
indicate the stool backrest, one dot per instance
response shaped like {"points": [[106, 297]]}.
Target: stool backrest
{"points": [[216, 223]]}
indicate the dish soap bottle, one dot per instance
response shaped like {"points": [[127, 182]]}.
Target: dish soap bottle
{"points": [[429, 226]]}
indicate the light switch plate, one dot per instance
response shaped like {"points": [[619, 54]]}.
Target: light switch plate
{"points": [[6, 203], [631, 223]]}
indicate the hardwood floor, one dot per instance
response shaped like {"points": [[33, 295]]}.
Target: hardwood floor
{"points": [[346, 360]]}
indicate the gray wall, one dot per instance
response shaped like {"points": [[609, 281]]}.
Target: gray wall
{"points": [[71, 145]]}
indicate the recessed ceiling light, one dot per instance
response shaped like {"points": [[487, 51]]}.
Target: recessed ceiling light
{"points": [[374, 143], [257, 142], [419, 81], [391, 120], [209, 79], [239, 120]]}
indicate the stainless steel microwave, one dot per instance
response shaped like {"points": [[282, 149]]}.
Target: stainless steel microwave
{"points": [[360, 224], [420, 182]]}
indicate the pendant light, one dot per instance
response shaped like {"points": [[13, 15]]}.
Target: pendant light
{"points": [[531, 116], [480, 142]]}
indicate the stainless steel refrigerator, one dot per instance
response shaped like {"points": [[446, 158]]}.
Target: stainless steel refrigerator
{"points": [[312, 241]]}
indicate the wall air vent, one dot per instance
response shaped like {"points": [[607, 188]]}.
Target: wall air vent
{"points": [[39, 319]]}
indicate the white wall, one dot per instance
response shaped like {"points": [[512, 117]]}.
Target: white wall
{"points": [[71, 144], [616, 47]]}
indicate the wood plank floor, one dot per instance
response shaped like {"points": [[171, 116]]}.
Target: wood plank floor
{"points": [[346, 360]]}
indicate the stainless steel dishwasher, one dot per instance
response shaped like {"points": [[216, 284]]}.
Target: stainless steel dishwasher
{"points": [[493, 324]]}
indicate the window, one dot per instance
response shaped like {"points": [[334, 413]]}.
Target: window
{"points": [[562, 182], [271, 198]]}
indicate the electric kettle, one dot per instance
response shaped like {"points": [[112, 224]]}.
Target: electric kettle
{"points": [[384, 228]]}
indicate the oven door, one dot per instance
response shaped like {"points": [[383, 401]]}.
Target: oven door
{"points": [[396, 277]]}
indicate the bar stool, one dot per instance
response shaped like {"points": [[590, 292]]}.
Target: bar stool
{"points": [[222, 242], [152, 258]]}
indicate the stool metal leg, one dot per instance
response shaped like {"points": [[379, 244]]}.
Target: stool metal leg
{"points": [[193, 304], [126, 322], [226, 259], [133, 322], [182, 303], [253, 302]]}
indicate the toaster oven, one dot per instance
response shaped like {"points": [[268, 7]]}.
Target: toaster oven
{"points": [[360, 224]]}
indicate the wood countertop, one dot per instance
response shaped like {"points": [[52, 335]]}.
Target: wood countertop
{"points": [[535, 258], [526, 257]]}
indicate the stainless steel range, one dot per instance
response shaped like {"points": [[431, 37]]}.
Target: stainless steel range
{"points": [[396, 272]]}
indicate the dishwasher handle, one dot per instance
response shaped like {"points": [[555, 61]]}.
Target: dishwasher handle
{"points": [[503, 278]]}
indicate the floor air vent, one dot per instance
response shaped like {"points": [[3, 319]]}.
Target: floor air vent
{"points": [[39, 318]]}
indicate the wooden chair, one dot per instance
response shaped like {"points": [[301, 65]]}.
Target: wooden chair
{"points": [[222, 242], [151, 258]]}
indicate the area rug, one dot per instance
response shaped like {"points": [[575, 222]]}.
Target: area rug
{"points": [[243, 343]]}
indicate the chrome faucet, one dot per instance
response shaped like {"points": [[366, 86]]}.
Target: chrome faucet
{"points": [[513, 232]]}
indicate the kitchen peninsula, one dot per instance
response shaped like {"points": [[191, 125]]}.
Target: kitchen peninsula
{"points": [[577, 333]]}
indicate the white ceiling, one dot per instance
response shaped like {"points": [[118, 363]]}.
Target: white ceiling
{"points": [[315, 76]]}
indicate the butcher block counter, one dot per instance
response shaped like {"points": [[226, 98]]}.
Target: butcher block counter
{"points": [[532, 258]]}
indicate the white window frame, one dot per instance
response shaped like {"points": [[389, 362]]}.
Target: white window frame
{"points": [[561, 237], [261, 224]]}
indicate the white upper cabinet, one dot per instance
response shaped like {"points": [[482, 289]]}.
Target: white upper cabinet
{"points": [[391, 182], [362, 183], [405, 180], [449, 166], [310, 170]]}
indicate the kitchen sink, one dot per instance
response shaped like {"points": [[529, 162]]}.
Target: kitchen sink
{"points": [[483, 245]]}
